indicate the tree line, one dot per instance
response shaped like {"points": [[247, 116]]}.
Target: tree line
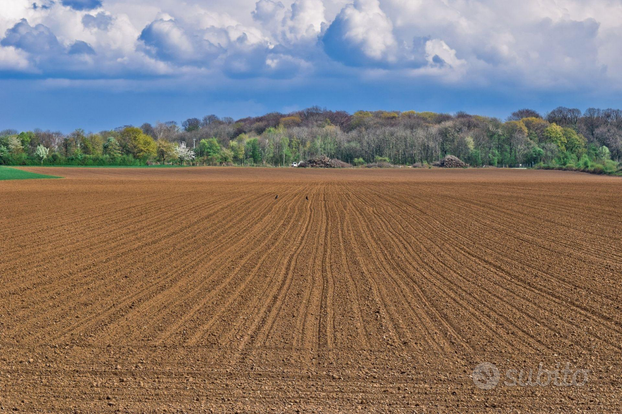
{"points": [[564, 138]]}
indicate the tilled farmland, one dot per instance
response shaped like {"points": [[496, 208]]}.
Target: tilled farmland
{"points": [[288, 290]]}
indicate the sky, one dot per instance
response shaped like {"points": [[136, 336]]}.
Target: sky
{"points": [[100, 64]]}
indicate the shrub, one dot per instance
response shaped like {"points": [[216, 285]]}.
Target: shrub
{"points": [[359, 161], [585, 163], [19, 159], [598, 169], [4, 155], [610, 166], [57, 159], [127, 160]]}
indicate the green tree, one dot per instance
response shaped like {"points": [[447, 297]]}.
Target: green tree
{"points": [[551, 151], [14, 145], [253, 151], [112, 148], [535, 128], [555, 134], [535, 155], [515, 142], [604, 153], [145, 147], [237, 150], [25, 138], [575, 143], [584, 162], [137, 143], [283, 154], [226, 156], [93, 145], [210, 148], [165, 151], [494, 157], [5, 156], [475, 158]]}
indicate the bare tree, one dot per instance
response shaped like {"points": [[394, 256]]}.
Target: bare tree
{"points": [[564, 116], [208, 120], [610, 137], [148, 130], [167, 130], [523, 113], [191, 124]]}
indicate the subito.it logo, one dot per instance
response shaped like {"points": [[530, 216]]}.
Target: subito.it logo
{"points": [[486, 376]]}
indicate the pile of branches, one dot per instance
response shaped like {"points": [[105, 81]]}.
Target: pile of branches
{"points": [[323, 162], [451, 162]]}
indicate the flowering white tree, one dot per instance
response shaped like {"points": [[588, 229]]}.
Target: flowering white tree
{"points": [[42, 152], [184, 153]]}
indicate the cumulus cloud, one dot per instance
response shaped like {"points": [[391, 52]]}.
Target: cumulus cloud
{"points": [[13, 59], [540, 44], [305, 19], [302, 22], [269, 12], [360, 35], [37, 40], [81, 48], [167, 40], [82, 4], [437, 53], [536, 44], [100, 21], [245, 60]]}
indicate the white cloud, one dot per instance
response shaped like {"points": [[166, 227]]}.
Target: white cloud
{"points": [[305, 19], [269, 12], [301, 22], [533, 43], [166, 40], [361, 33], [437, 53], [12, 12], [99, 21], [13, 59]]}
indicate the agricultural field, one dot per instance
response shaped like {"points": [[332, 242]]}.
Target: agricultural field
{"points": [[8, 173], [288, 290]]}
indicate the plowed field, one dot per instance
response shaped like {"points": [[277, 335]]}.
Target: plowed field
{"points": [[190, 290]]}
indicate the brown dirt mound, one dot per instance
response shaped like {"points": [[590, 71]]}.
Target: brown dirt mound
{"points": [[324, 162], [373, 291], [451, 161]]}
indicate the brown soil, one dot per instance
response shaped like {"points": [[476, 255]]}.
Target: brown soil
{"points": [[190, 290]]}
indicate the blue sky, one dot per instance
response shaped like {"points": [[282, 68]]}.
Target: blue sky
{"points": [[98, 64]]}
